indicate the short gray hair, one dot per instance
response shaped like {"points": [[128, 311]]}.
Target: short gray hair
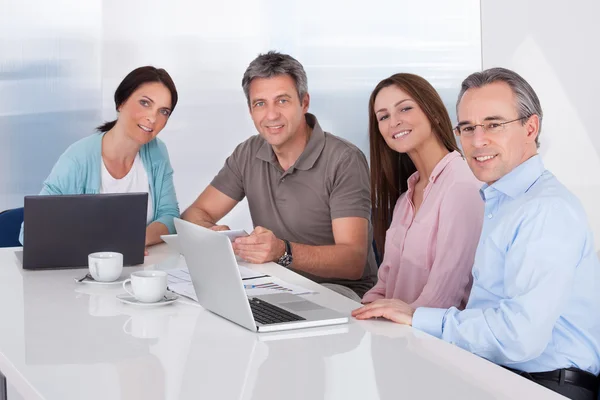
{"points": [[528, 103], [273, 64]]}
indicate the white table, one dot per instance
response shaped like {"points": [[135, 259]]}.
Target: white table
{"points": [[60, 340]]}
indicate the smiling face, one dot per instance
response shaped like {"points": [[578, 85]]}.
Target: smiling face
{"points": [[493, 155], [402, 123], [146, 112], [277, 111]]}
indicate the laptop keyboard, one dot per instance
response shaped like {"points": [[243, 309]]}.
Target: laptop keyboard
{"points": [[266, 313]]}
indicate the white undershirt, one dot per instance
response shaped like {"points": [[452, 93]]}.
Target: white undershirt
{"points": [[136, 181]]}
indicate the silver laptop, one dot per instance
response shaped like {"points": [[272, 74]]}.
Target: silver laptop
{"points": [[219, 288]]}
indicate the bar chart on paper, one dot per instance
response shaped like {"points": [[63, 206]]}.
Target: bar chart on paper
{"points": [[255, 283], [271, 285], [268, 284]]}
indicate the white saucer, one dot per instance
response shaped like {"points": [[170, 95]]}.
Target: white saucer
{"points": [[91, 281], [128, 299]]}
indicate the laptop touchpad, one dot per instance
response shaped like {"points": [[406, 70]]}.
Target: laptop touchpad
{"points": [[302, 305]]}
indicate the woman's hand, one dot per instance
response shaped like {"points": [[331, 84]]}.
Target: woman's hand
{"points": [[392, 309]]}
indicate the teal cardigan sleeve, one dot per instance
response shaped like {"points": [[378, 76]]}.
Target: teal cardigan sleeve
{"points": [[167, 205], [165, 199]]}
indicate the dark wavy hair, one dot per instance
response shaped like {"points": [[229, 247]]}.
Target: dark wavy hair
{"points": [[134, 80]]}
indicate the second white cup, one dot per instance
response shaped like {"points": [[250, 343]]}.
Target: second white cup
{"points": [[147, 286]]}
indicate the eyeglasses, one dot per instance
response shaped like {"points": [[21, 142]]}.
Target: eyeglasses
{"points": [[490, 127]]}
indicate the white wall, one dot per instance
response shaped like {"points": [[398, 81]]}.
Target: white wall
{"points": [[554, 46]]}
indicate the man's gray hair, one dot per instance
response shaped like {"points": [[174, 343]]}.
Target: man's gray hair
{"points": [[528, 103], [273, 64]]}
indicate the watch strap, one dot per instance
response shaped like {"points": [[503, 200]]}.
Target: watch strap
{"points": [[286, 259]]}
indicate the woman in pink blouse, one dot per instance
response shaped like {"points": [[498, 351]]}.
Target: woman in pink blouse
{"points": [[417, 171]]}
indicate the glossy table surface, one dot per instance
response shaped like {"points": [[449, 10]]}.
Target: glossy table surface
{"points": [[61, 340]]}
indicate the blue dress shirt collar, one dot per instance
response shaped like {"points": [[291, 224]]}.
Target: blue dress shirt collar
{"points": [[517, 181]]}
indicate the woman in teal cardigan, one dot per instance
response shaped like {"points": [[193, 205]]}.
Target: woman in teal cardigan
{"points": [[125, 155]]}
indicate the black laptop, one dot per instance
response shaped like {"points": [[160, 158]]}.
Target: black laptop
{"points": [[60, 231]]}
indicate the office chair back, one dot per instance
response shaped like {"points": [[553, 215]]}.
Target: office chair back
{"points": [[10, 227]]}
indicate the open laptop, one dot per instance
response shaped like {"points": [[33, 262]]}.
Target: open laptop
{"points": [[219, 288], [173, 242], [60, 231]]}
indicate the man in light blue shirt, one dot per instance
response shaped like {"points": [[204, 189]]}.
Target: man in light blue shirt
{"points": [[535, 302]]}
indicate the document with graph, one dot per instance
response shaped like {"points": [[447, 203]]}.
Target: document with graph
{"points": [[271, 285], [255, 284]]}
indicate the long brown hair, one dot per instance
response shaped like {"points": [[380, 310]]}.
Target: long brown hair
{"points": [[390, 170]]}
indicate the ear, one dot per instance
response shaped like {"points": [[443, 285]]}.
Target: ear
{"points": [[305, 103], [532, 126]]}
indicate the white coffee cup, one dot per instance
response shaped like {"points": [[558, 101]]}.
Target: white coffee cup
{"points": [[105, 266], [147, 286]]}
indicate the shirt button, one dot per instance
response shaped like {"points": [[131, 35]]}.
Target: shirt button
{"points": [[490, 215]]}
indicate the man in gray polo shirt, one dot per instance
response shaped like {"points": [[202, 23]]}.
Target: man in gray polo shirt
{"points": [[308, 191]]}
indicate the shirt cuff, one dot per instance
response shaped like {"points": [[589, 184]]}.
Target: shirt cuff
{"points": [[429, 320]]}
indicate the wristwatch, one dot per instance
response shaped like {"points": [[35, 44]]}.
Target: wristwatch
{"points": [[286, 259]]}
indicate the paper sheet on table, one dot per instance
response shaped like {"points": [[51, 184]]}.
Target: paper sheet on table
{"points": [[184, 289], [179, 275], [272, 285], [247, 273], [255, 284]]}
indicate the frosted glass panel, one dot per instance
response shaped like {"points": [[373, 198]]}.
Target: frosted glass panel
{"points": [[49, 87], [60, 63]]}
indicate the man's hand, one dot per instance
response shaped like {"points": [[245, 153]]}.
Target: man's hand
{"points": [[219, 228], [392, 309], [261, 246]]}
